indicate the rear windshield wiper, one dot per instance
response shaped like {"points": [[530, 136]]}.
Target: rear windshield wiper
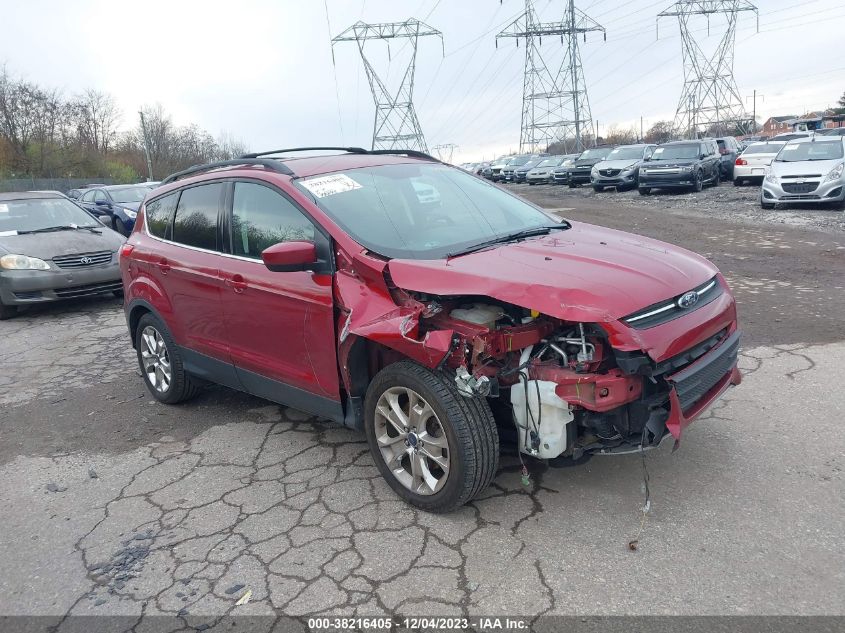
{"points": [[65, 227], [510, 237]]}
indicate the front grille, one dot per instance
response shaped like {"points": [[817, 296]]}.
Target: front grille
{"points": [[793, 187], [610, 172], [90, 289], [802, 176], [693, 383], [801, 196], [659, 313], [83, 260]]}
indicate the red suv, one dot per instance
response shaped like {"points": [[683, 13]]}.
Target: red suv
{"points": [[395, 294]]}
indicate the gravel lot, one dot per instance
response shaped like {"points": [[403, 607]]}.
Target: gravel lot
{"points": [[114, 504]]}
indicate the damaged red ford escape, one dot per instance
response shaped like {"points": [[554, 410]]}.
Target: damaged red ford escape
{"points": [[394, 294]]}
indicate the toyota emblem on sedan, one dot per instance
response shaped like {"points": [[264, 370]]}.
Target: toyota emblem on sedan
{"points": [[688, 300], [85, 260]]}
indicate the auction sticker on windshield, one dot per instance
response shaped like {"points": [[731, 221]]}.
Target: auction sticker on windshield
{"points": [[330, 185]]}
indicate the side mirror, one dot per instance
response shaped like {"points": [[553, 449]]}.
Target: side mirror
{"points": [[289, 256], [702, 157]]}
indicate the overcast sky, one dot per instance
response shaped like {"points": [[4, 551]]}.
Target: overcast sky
{"points": [[263, 71]]}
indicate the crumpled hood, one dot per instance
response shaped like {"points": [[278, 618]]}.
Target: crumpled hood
{"points": [[622, 163], [48, 245], [587, 273]]}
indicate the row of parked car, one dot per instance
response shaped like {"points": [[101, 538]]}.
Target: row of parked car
{"points": [[787, 166]]}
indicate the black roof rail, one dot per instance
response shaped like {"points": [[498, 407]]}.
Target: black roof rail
{"points": [[288, 150], [405, 152], [351, 150], [267, 163]]}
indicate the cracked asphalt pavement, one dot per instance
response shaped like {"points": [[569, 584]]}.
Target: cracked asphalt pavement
{"points": [[115, 504]]}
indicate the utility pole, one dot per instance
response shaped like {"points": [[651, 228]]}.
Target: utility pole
{"points": [[642, 135], [146, 148], [754, 109], [555, 106], [396, 125], [710, 96]]}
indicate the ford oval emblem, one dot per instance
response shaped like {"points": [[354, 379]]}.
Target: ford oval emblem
{"points": [[688, 299]]}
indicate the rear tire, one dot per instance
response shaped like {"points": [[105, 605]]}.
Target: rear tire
{"points": [[160, 360], [574, 185], [738, 182], [7, 312], [717, 178], [463, 427]]}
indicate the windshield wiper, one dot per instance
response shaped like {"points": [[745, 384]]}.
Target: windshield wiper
{"points": [[64, 227], [510, 237]]}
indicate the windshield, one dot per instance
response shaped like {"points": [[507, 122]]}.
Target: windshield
{"points": [[814, 150], [383, 209], [674, 152], [41, 213], [550, 162], [129, 194], [595, 152], [625, 153], [518, 161], [763, 148]]}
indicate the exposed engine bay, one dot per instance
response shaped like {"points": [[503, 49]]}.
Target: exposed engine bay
{"points": [[559, 381]]}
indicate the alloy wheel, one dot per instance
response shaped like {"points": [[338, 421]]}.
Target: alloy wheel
{"points": [[155, 359], [412, 440]]}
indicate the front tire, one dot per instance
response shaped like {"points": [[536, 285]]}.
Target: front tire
{"points": [[698, 183], [435, 448], [644, 191], [161, 362], [598, 189]]}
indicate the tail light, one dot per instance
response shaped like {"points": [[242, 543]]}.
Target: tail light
{"points": [[741, 161], [126, 250]]}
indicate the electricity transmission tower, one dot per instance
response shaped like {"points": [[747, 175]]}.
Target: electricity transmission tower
{"points": [[445, 151], [396, 125], [710, 98], [555, 106]]}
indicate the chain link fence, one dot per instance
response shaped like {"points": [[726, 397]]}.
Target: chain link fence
{"points": [[50, 184]]}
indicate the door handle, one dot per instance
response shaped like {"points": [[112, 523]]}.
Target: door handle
{"points": [[236, 283], [163, 266]]}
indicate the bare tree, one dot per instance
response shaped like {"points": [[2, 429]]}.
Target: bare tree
{"points": [[660, 132], [98, 116]]}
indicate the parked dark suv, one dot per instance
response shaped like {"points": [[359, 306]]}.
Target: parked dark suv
{"points": [[392, 293], [728, 149], [681, 164], [579, 170]]}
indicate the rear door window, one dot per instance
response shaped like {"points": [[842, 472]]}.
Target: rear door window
{"points": [[159, 215], [262, 217], [197, 212]]}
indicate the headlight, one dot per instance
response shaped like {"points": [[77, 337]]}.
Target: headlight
{"points": [[835, 173], [130, 214], [23, 262], [772, 177], [594, 172]]}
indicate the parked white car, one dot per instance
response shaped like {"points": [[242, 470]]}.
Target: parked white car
{"points": [[806, 170], [751, 165]]}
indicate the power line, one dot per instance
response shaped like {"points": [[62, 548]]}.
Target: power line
{"points": [[334, 70], [710, 96], [554, 100], [396, 125]]}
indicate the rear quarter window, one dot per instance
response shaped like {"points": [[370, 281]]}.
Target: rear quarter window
{"points": [[195, 223], [159, 215]]}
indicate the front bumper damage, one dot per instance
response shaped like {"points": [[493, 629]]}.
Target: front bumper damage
{"points": [[572, 386]]}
